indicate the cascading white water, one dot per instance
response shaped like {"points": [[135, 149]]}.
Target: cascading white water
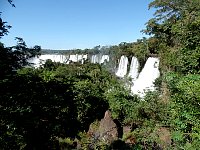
{"points": [[133, 73], [95, 59], [145, 81], [59, 58], [73, 58], [141, 83], [122, 69], [79, 57], [37, 61], [84, 57], [98, 59], [104, 58]]}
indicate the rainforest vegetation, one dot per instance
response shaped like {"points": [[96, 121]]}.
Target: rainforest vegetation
{"points": [[52, 106]]}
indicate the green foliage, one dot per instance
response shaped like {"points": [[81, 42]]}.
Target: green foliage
{"points": [[185, 108], [129, 109], [148, 116], [176, 28], [55, 100], [15, 57], [121, 103], [67, 143], [34, 109], [50, 105], [88, 142], [3, 28]]}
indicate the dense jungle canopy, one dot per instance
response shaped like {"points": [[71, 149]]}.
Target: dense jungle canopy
{"points": [[52, 106]]}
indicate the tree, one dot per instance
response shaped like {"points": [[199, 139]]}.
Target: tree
{"points": [[3, 25], [3, 28], [176, 28], [13, 58], [35, 112]]}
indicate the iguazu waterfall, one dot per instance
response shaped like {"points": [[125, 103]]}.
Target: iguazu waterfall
{"points": [[99, 59], [141, 82], [104, 58], [37, 61], [122, 69], [76, 58], [146, 78], [133, 73], [95, 59]]}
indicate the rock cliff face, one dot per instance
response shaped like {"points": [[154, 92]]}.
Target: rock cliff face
{"points": [[106, 130], [109, 131]]}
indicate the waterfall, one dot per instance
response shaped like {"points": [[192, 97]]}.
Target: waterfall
{"points": [[104, 58], [145, 81], [37, 61], [133, 73], [95, 59], [73, 58], [84, 57], [58, 58], [99, 59], [79, 57], [140, 84], [122, 69]]}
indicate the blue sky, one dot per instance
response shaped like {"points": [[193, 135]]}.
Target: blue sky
{"points": [[68, 24]]}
